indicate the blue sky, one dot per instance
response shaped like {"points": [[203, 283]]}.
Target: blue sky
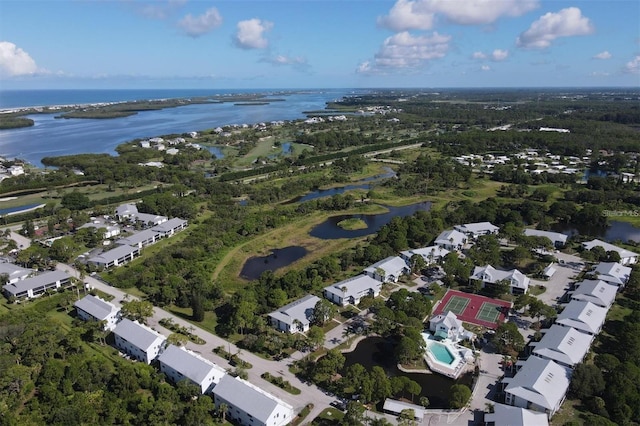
{"points": [[62, 44]]}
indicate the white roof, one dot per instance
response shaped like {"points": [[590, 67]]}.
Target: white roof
{"points": [[565, 345], [169, 225], [597, 292], [137, 334], [451, 236], [392, 265], [613, 272], [248, 398], [96, 307], [553, 236], [301, 310], [31, 283], [396, 407], [138, 237], [426, 252], [188, 363], [477, 228], [540, 381], [515, 416], [355, 286], [624, 253], [13, 270], [449, 319], [583, 316], [126, 209], [113, 254], [492, 275]]}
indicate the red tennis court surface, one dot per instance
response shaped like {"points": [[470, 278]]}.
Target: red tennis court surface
{"points": [[473, 307]]}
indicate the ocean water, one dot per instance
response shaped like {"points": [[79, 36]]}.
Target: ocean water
{"points": [[51, 136]]}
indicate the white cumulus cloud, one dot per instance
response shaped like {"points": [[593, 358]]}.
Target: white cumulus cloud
{"points": [[14, 61], [421, 14], [603, 55], [550, 26], [250, 34], [485, 68], [633, 66], [405, 51], [297, 62], [479, 55], [195, 26], [499, 55]]}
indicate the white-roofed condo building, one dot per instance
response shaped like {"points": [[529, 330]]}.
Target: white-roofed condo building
{"points": [[388, 270], [614, 273], [296, 316], [93, 308], [476, 229], [249, 405], [564, 345], [179, 363], [14, 273], [138, 341], [170, 227], [627, 257], [36, 285], [540, 385], [431, 254], [451, 240], [518, 282], [117, 256], [583, 316], [351, 290], [556, 238], [598, 292], [514, 416]]}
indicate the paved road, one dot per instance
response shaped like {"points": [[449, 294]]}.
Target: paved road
{"points": [[310, 393]]}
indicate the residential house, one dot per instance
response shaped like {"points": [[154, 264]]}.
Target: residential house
{"points": [[474, 230], [170, 227], [351, 290], [395, 407], [451, 240], [583, 316], [540, 385], [388, 270], [115, 257], [627, 257], [179, 363], [126, 211], [613, 273], [557, 239], [564, 345], [447, 326], [247, 404], [147, 219], [14, 273], [598, 292], [431, 254], [138, 341], [93, 308], [140, 239], [514, 416], [110, 231], [36, 285], [518, 282], [296, 316]]}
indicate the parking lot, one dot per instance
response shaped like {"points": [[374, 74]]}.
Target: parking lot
{"points": [[567, 269]]}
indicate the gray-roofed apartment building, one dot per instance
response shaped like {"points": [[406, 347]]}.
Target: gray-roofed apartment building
{"points": [[583, 316], [249, 405], [138, 341], [170, 227], [115, 257], [564, 345], [179, 363], [14, 272], [36, 285], [352, 290], [93, 308], [296, 316]]}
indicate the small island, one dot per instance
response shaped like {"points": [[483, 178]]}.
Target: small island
{"points": [[352, 224]]}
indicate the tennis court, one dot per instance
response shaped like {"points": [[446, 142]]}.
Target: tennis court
{"points": [[473, 308], [456, 304], [489, 312]]}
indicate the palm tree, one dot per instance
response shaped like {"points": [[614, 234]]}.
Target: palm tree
{"points": [[223, 409]]}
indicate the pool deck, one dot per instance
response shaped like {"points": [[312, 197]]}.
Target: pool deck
{"points": [[438, 367]]}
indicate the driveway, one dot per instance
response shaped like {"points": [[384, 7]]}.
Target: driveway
{"points": [[566, 271]]}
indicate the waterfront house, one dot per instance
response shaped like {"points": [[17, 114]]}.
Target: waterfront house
{"points": [[557, 239], [451, 240], [138, 341], [179, 363], [627, 257], [247, 404], [613, 273], [447, 326], [296, 316], [476, 229]]}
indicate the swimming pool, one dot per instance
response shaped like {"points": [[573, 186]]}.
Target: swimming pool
{"points": [[441, 353]]}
